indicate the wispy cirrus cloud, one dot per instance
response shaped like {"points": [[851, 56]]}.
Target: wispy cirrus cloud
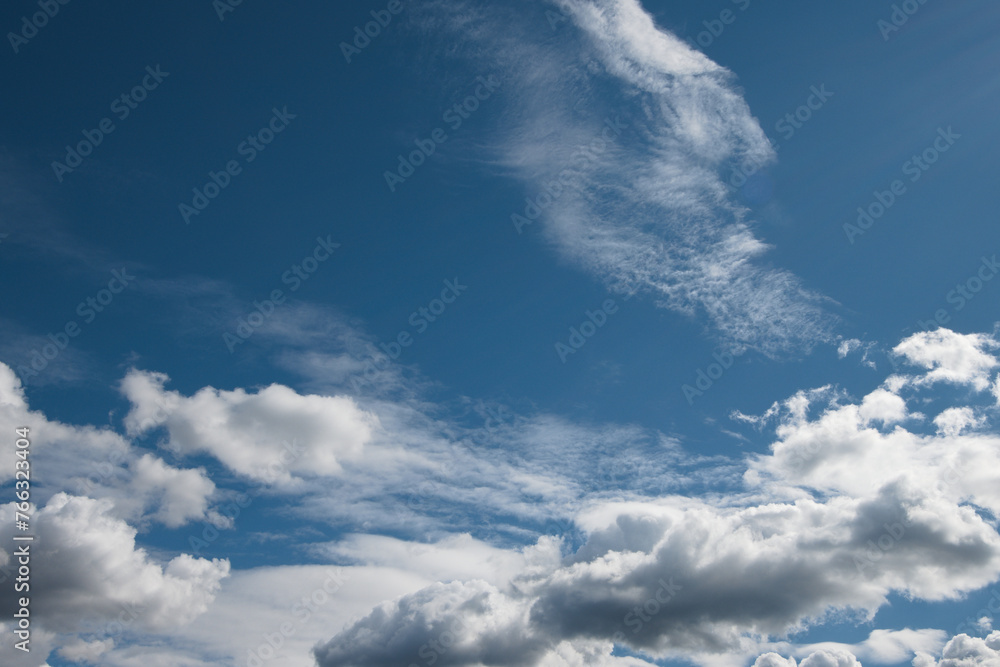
{"points": [[644, 206]]}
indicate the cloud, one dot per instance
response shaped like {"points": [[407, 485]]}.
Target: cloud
{"points": [[829, 444], [955, 420], [884, 647], [87, 570], [773, 660], [267, 436], [623, 135], [965, 651], [848, 508], [459, 623], [951, 357], [99, 463], [82, 651], [454, 557], [678, 577], [182, 495], [816, 659]]}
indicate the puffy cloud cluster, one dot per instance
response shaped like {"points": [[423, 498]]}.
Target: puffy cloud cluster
{"points": [[271, 436], [848, 508], [817, 659], [682, 578], [854, 502], [87, 571], [951, 357], [965, 651], [100, 463]]}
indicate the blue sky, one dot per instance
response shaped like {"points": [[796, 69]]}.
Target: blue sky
{"points": [[501, 315]]}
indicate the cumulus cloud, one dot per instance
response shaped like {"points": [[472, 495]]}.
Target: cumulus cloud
{"points": [[962, 359], [269, 435], [87, 570], [830, 444], [881, 647], [678, 577], [965, 651], [953, 421], [816, 659], [66, 449], [179, 495], [100, 463], [460, 623], [848, 508], [773, 660]]}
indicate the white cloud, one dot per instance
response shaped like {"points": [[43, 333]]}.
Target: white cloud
{"points": [[678, 577], [965, 651], [99, 463], [847, 346], [882, 406], [645, 206], [952, 357], [87, 569], [830, 659], [953, 421], [267, 436], [182, 495], [458, 557], [773, 660], [883, 647], [896, 512]]}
